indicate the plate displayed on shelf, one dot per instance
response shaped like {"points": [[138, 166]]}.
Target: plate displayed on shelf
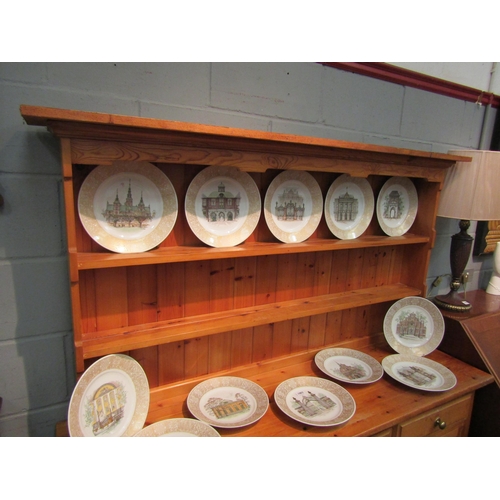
{"points": [[349, 206], [314, 401], [111, 399], [128, 206], [348, 365], [414, 325], [293, 206], [419, 373], [222, 206], [178, 427], [397, 206], [228, 402]]}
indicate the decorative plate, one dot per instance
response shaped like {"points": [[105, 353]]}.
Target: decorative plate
{"points": [[419, 373], [228, 402], [349, 206], [414, 325], [293, 206], [397, 206], [128, 206], [314, 401], [178, 427], [110, 399], [222, 206], [348, 365]]}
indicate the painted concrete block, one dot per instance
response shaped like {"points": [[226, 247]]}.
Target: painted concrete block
{"points": [[164, 82], [360, 103], [30, 224], [33, 373], [34, 298], [284, 90]]}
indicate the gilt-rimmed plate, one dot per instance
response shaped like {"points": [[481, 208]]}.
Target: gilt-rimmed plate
{"points": [[178, 427], [222, 206], [128, 206], [111, 399], [414, 325], [293, 206], [349, 365], [315, 401], [228, 402], [349, 206], [419, 373], [397, 206]]}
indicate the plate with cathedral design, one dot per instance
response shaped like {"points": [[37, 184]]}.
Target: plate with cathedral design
{"points": [[222, 206], [419, 373], [293, 206], [128, 206], [414, 325], [349, 365], [228, 402], [111, 399], [178, 427], [397, 206], [349, 206], [315, 401]]}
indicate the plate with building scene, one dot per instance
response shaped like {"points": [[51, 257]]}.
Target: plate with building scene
{"points": [[111, 399], [228, 402], [315, 401], [349, 206], [178, 427], [128, 206], [222, 206], [419, 373], [293, 206], [397, 206], [349, 365], [414, 325]]}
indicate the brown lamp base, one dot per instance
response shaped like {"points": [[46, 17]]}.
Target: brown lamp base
{"points": [[452, 302]]}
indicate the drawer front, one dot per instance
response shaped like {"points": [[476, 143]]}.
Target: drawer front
{"points": [[451, 419]]}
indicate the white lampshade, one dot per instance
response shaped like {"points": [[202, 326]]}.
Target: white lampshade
{"points": [[471, 190]]}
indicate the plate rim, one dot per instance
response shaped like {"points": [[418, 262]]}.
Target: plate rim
{"points": [[115, 362], [367, 217], [390, 360], [161, 424], [406, 224], [436, 337], [146, 169], [193, 400], [370, 360], [306, 381], [314, 189], [254, 206]]}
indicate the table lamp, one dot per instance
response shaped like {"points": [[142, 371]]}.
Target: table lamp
{"points": [[471, 191]]}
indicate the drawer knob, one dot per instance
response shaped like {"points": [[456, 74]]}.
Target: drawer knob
{"points": [[440, 423]]}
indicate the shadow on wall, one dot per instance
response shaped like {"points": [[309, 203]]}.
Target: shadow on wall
{"points": [[36, 360]]}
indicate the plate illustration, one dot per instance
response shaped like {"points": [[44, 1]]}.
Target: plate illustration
{"points": [[128, 206], [349, 206], [228, 402], [314, 401], [397, 206], [111, 399], [349, 365], [178, 427], [293, 206], [419, 373], [222, 206], [414, 325]]}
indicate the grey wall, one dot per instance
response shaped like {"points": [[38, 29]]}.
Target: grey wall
{"points": [[36, 357]]}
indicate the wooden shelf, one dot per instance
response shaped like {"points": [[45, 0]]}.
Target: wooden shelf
{"points": [[195, 253], [127, 338]]}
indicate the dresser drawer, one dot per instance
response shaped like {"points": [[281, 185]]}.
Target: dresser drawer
{"points": [[451, 419]]}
